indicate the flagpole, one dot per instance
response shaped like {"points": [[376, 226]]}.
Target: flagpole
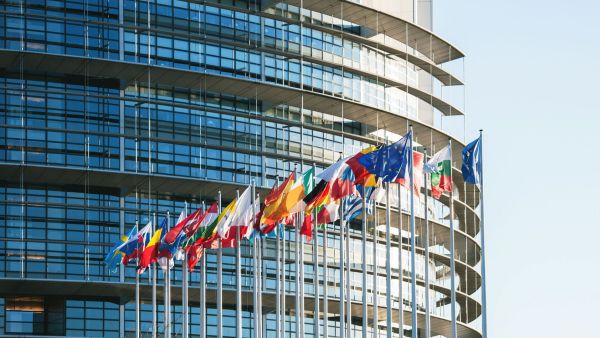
{"points": [[278, 279], [388, 262], [400, 266], [283, 282], [238, 277], [297, 263], [219, 281], [413, 240], [481, 227], [203, 287], [259, 254], [452, 265], [315, 258], [348, 291], [375, 300], [364, 264], [426, 235], [325, 282], [184, 293], [301, 276], [137, 288], [167, 295], [154, 305]]}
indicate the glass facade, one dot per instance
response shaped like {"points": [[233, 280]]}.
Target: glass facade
{"points": [[83, 158]]}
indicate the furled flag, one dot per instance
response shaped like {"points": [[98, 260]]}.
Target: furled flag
{"points": [[471, 166], [440, 168], [390, 161], [114, 256], [194, 253], [417, 174], [273, 211], [134, 247], [150, 253]]}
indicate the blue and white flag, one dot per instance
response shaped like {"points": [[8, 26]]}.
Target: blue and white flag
{"points": [[352, 207], [471, 166]]}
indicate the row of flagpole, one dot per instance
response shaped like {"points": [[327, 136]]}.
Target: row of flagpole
{"points": [[345, 301]]}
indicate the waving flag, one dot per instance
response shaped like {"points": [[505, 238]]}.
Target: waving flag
{"points": [[244, 214], [204, 222], [361, 174], [352, 207], [274, 209], [134, 247], [471, 166], [417, 174], [187, 223], [114, 256], [440, 168], [150, 253], [294, 199], [390, 161]]}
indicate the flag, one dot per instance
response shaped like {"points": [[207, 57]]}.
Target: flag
{"points": [[231, 240], [340, 178], [390, 161], [417, 173], [244, 214], [194, 253], [294, 199], [361, 174], [222, 221], [352, 207], [172, 235], [440, 168], [114, 255], [273, 210], [471, 166], [203, 222], [317, 197], [307, 226], [328, 213], [134, 247], [150, 253]]}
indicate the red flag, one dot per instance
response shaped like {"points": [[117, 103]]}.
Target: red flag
{"points": [[194, 253], [307, 227], [171, 236]]}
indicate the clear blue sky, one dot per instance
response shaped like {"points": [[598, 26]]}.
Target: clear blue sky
{"points": [[532, 71]]}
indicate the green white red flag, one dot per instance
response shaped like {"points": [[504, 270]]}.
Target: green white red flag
{"points": [[440, 167]]}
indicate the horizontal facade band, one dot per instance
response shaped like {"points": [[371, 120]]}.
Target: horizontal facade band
{"points": [[122, 293], [424, 64], [128, 72], [417, 37]]}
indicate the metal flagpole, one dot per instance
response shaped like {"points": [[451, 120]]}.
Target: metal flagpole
{"points": [[481, 227], [184, 293], [452, 265], [375, 300], [400, 266], [348, 290], [137, 291], [154, 302], [325, 282], [283, 282], [259, 261], [315, 258], [203, 288], [166, 296], [426, 235], [388, 262], [365, 313], [413, 277], [278, 278], [342, 254], [297, 264], [219, 281], [301, 277], [238, 278]]}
